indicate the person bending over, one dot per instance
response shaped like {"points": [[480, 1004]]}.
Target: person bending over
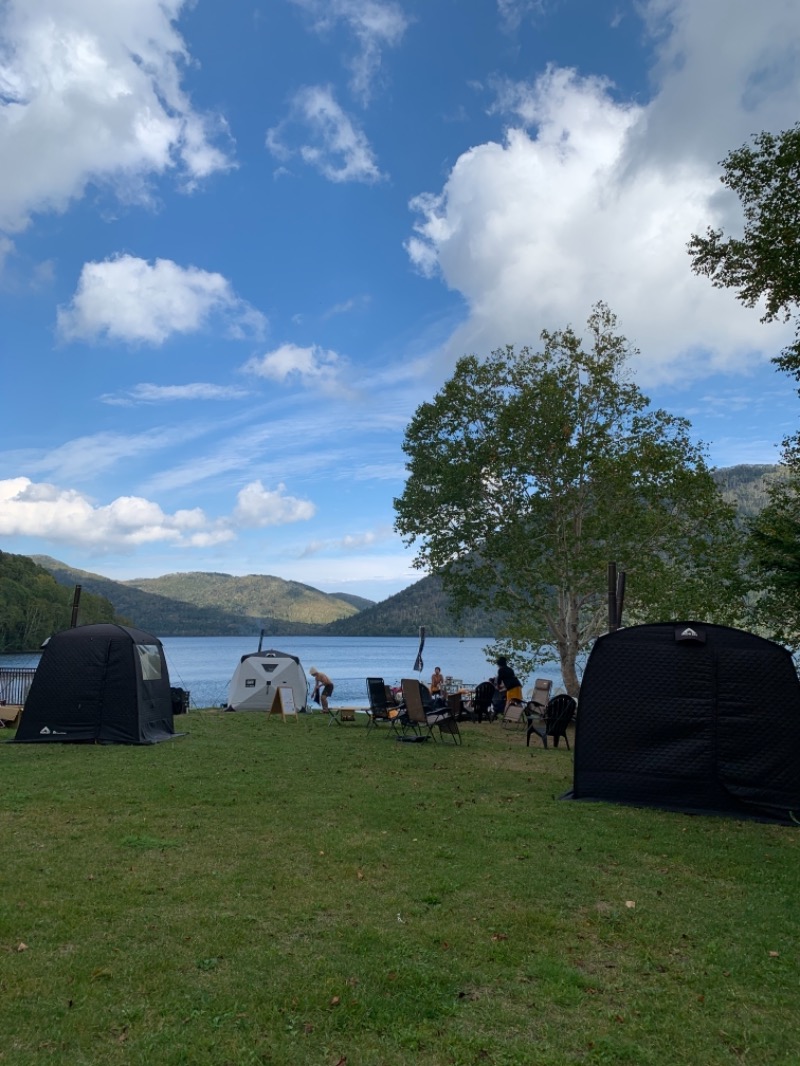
{"points": [[508, 682], [323, 688]]}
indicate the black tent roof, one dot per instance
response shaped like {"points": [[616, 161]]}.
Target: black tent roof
{"points": [[690, 716], [104, 683]]}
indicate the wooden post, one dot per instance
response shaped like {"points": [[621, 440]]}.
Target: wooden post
{"points": [[76, 600], [620, 597], [613, 613]]}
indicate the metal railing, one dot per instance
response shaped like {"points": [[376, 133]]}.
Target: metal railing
{"points": [[14, 684]]}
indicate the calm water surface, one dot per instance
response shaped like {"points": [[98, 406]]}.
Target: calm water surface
{"points": [[205, 665]]}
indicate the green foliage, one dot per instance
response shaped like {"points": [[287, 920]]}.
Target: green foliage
{"points": [[529, 471], [764, 263], [286, 894], [33, 605], [774, 548]]}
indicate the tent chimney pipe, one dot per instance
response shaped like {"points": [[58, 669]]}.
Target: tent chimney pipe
{"points": [[261, 640], [76, 600], [612, 597], [620, 597]]}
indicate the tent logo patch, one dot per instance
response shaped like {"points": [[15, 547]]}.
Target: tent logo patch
{"points": [[689, 635], [44, 731]]}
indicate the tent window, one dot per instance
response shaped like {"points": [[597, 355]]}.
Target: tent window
{"points": [[270, 668], [150, 661]]}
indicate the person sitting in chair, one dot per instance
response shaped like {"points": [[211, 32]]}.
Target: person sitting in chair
{"points": [[437, 682]]}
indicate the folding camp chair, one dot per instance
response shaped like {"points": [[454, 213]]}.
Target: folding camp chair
{"points": [[383, 707], [559, 714], [422, 718], [540, 697], [514, 715]]}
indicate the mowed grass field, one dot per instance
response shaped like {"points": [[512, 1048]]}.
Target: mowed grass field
{"points": [[262, 891]]}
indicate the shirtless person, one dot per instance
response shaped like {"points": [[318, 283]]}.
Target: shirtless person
{"points": [[323, 687]]}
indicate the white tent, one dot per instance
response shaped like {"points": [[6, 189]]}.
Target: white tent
{"points": [[257, 677]]}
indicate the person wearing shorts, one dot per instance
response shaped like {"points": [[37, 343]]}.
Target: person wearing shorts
{"points": [[508, 682], [323, 688]]}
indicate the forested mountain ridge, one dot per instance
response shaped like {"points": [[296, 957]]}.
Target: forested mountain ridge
{"points": [[746, 486], [33, 605], [256, 596], [424, 603], [225, 603], [167, 617]]}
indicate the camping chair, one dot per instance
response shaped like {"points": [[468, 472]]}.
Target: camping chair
{"points": [[540, 697], [559, 714], [421, 718], [514, 715], [383, 707], [482, 701]]}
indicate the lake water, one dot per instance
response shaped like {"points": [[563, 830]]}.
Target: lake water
{"points": [[205, 665]]}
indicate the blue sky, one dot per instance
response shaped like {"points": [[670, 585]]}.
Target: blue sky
{"points": [[241, 242]]}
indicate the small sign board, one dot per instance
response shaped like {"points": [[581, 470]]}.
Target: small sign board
{"points": [[283, 703]]}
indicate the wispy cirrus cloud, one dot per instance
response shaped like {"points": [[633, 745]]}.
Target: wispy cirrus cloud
{"points": [[132, 300], [83, 458], [318, 131], [146, 393], [350, 543], [376, 25]]}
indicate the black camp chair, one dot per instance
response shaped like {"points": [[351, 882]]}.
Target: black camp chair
{"points": [[482, 706], [558, 715], [383, 708], [422, 717]]}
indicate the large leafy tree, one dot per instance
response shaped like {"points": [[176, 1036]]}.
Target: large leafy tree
{"points": [[529, 471], [764, 263]]}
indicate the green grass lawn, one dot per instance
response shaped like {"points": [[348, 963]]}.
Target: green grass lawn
{"points": [[262, 891]]}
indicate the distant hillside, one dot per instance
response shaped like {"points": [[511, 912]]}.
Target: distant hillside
{"points": [[165, 617], [209, 604], [33, 605], [358, 602], [422, 604], [746, 486], [256, 596]]}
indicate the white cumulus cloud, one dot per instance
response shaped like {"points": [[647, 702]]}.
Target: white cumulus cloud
{"points": [[129, 299], [90, 91], [257, 507], [323, 135], [65, 516], [313, 367], [589, 197]]}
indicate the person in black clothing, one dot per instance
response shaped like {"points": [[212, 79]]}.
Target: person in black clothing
{"points": [[508, 682]]}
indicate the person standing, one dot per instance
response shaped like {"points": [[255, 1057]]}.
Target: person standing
{"points": [[323, 688], [508, 682]]}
